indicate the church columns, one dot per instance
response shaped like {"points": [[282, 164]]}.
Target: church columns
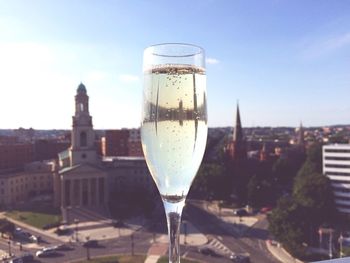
{"points": [[71, 193], [97, 188], [80, 192], [89, 191], [63, 193]]}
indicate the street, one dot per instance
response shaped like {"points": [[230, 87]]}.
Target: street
{"points": [[220, 235], [252, 241]]}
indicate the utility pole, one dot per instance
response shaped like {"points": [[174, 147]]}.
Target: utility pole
{"points": [[330, 244], [87, 248], [185, 232], [132, 244], [341, 244], [9, 243], [76, 221]]}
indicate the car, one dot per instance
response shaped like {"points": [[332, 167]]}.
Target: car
{"points": [[46, 252], [266, 209], [240, 258], [118, 223], [33, 239], [63, 247], [240, 212], [21, 234], [91, 243], [206, 250], [27, 257], [24, 258], [16, 260]]}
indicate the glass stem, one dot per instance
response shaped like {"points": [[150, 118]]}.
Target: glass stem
{"points": [[173, 214]]}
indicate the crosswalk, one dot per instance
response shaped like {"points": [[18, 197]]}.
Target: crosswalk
{"points": [[219, 247]]}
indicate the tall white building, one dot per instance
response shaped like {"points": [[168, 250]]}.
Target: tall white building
{"points": [[336, 166]]}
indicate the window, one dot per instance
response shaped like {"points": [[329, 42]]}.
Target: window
{"points": [[337, 166], [337, 173], [338, 158], [337, 150], [83, 139]]}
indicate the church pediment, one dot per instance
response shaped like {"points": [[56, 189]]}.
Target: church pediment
{"points": [[81, 169]]}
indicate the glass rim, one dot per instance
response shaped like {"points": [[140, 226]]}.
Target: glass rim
{"points": [[197, 50]]}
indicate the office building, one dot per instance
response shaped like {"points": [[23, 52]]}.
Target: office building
{"points": [[336, 166]]}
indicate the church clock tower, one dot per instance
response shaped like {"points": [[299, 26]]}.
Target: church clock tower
{"points": [[83, 138]]}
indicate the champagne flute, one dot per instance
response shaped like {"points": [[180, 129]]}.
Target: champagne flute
{"points": [[174, 125]]}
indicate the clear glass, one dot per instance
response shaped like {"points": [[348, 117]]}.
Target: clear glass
{"points": [[174, 125]]}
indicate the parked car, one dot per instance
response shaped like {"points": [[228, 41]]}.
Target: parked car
{"points": [[16, 260], [266, 209], [240, 258], [240, 212], [63, 247], [62, 230], [118, 223], [24, 258], [206, 250], [21, 234], [91, 243], [46, 252]]}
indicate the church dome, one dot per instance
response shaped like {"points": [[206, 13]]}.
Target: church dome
{"points": [[81, 88]]}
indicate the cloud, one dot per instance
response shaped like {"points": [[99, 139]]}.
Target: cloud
{"points": [[212, 61], [325, 46], [337, 42], [128, 78]]}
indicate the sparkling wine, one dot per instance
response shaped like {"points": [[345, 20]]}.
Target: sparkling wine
{"points": [[174, 126]]}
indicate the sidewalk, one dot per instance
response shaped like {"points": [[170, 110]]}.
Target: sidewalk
{"points": [[87, 230], [160, 246], [280, 253]]}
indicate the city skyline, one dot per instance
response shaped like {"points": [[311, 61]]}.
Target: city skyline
{"points": [[285, 62]]}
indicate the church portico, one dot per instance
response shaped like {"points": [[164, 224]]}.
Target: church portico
{"points": [[83, 185]]}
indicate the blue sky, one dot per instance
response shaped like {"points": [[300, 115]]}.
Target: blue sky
{"points": [[285, 61]]}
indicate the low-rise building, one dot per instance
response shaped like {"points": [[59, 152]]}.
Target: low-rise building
{"points": [[25, 184]]}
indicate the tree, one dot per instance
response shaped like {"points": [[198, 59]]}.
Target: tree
{"points": [[6, 226], [296, 219], [211, 181], [286, 224], [260, 192], [286, 168], [314, 192]]}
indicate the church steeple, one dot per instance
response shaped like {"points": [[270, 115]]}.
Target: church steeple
{"points": [[236, 148], [301, 138], [238, 132], [83, 137]]}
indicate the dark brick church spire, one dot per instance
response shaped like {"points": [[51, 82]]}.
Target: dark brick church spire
{"points": [[238, 132], [237, 148]]}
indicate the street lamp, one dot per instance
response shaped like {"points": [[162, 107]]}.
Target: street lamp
{"points": [[330, 244], [132, 244], [87, 248], [341, 244], [9, 243], [320, 234], [76, 221], [185, 232]]}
